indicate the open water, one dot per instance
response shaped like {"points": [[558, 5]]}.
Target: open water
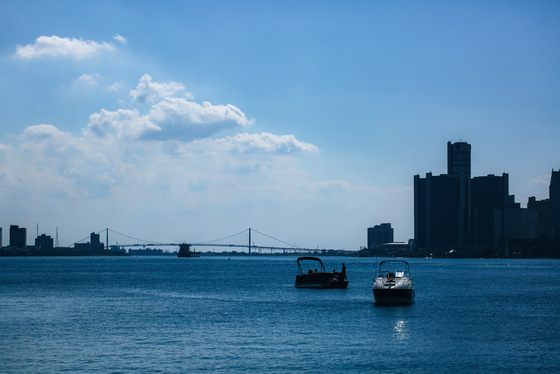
{"points": [[214, 315]]}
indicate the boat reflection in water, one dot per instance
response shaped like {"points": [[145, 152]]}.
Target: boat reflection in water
{"points": [[392, 284], [318, 278]]}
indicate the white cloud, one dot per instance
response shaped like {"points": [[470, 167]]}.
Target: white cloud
{"points": [[147, 91], [5, 151], [541, 180], [55, 46], [115, 86], [186, 120], [123, 124], [171, 118], [255, 143], [88, 79], [120, 38]]}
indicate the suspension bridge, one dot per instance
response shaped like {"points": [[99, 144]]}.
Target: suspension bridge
{"points": [[250, 241]]}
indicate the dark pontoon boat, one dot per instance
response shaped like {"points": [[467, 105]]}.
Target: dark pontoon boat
{"points": [[314, 278]]}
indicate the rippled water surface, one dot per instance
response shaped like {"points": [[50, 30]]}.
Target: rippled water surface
{"points": [[211, 314]]}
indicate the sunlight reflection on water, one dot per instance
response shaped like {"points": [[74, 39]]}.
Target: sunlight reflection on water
{"points": [[399, 330]]}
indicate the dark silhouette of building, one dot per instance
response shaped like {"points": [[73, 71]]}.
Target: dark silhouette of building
{"points": [[548, 210], [554, 196], [94, 244], [459, 166], [459, 159], [513, 224], [379, 234], [542, 209], [437, 211], [1, 242], [44, 243], [18, 237], [455, 210], [489, 193]]}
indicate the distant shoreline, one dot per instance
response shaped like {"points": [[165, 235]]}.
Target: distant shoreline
{"points": [[70, 252]]}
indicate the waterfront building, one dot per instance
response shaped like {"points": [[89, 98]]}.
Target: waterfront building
{"points": [[94, 244], [542, 209], [454, 210], [379, 234], [489, 193], [437, 211], [548, 210], [18, 237], [514, 223], [459, 166], [44, 243], [554, 196]]}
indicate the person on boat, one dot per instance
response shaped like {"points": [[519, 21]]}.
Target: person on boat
{"points": [[343, 272], [310, 271]]}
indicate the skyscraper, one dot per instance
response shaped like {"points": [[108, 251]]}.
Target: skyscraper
{"points": [[488, 194], [459, 159], [459, 165], [554, 196], [436, 211]]}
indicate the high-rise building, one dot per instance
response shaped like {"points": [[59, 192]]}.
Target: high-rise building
{"points": [[455, 209], [379, 235], [96, 245], [437, 213], [488, 194], [459, 165], [554, 197], [548, 210], [18, 237], [459, 159]]}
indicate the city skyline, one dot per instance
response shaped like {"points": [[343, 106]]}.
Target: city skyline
{"points": [[305, 121]]}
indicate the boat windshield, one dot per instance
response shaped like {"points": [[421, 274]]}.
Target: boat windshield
{"points": [[399, 268]]}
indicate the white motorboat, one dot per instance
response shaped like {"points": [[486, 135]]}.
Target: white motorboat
{"points": [[392, 283]]}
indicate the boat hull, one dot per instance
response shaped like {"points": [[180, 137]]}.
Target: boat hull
{"points": [[331, 285], [320, 280], [393, 296]]}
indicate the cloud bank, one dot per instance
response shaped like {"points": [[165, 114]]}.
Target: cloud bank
{"points": [[158, 167], [55, 46], [128, 148]]}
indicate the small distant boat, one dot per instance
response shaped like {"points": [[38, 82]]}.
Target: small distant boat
{"points": [[392, 284], [319, 279], [185, 251]]}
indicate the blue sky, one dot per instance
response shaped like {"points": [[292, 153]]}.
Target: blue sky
{"points": [[189, 121]]}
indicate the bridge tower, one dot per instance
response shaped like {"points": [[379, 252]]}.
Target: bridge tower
{"points": [[249, 240]]}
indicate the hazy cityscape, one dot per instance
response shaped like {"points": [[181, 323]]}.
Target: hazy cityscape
{"points": [[279, 186], [455, 215]]}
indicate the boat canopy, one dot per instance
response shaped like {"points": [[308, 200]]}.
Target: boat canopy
{"points": [[317, 259]]}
